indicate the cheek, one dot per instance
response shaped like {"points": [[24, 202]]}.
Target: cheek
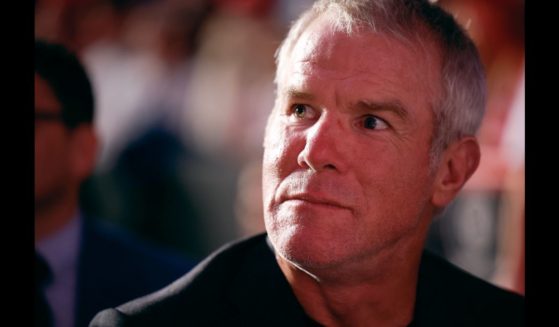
{"points": [[280, 150], [52, 159], [44, 153], [394, 180], [273, 165]]}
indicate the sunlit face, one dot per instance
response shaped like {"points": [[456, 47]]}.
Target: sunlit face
{"points": [[52, 156], [346, 161]]}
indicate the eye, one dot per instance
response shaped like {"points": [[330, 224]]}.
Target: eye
{"points": [[373, 122], [301, 111]]}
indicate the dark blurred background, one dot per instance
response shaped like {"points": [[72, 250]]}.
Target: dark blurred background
{"points": [[183, 89]]}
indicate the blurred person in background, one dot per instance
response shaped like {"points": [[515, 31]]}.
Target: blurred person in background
{"points": [[142, 76], [171, 149], [82, 265], [372, 134], [138, 55]]}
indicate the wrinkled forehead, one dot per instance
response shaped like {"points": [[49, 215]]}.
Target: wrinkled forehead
{"points": [[323, 45]]}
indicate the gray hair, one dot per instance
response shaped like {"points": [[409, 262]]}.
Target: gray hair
{"points": [[459, 110]]}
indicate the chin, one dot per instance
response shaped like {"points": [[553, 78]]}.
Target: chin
{"points": [[309, 249]]}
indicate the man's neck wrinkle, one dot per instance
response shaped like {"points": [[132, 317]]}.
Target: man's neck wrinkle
{"points": [[381, 301]]}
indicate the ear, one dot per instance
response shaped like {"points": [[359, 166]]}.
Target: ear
{"points": [[84, 151], [459, 162]]}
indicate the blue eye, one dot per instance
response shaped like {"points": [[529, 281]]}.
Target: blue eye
{"points": [[372, 122]]}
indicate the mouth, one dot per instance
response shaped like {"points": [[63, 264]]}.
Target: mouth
{"points": [[307, 199]]}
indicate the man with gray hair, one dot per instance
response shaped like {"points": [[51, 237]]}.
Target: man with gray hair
{"points": [[371, 135]]}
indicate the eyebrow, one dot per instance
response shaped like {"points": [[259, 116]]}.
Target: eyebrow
{"points": [[294, 94], [395, 107]]}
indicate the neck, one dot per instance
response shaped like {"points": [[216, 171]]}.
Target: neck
{"points": [[379, 291], [51, 216]]}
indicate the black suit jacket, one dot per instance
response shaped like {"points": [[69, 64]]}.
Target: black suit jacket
{"points": [[115, 267], [242, 285]]}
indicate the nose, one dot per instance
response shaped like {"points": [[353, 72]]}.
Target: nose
{"points": [[322, 146]]}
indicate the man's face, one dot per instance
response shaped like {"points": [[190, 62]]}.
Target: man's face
{"points": [[52, 154], [346, 159]]}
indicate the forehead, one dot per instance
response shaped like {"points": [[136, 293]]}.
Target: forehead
{"points": [[45, 99], [374, 58]]}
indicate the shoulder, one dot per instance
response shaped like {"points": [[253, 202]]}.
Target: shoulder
{"points": [[116, 265], [465, 297], [199, 297], [112, 243]]}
